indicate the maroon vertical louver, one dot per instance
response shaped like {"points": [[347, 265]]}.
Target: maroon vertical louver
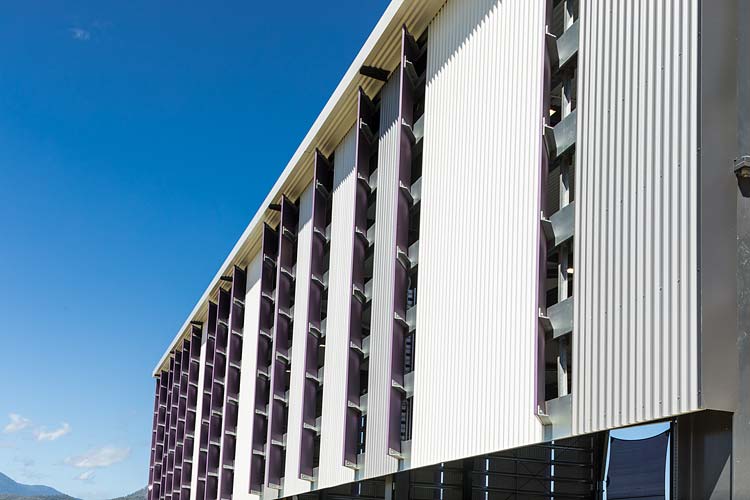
{"points": [[161, 435], [153, 442], [168, 459], [542, 258], [282, 335], [183, 355], [205, 416], [323, 185], [232, 381], [217, 395], [191, 420], [365, 143], [269, 253], [409, 54]]}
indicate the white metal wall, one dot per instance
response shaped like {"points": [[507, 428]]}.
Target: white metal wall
{"points": [[476, 312], [247, 383], [293, 485], [635, 352], [331, 470], [377, 460]]}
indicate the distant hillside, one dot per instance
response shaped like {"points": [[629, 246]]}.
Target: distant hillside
{"points": [[136, 495], [35, 497], [9, 489]]}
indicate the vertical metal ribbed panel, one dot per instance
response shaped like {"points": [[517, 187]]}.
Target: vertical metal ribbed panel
{"points": [[377, 460], [635, 343], [247, 384], [293, 485], [474, 386], [198, 412], [331, 469]]}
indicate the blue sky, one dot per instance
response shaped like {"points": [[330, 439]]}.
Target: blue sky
{"points": [[137, 139]]}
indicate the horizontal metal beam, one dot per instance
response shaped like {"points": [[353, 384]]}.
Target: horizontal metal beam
{"points": [[379, 74]]}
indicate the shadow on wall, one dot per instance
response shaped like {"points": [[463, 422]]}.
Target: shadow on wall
{"points": [[475, 14]]}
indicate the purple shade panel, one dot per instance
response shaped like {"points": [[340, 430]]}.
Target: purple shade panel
{"points": [[543, 209], [154, 434], [409, 54], [161, 435], [174, 394], [269, 252], [211, 326], [184, 364], [279, 380], [212, 486], [366, 143], [235, 299], [191, 420], [323, 182]]}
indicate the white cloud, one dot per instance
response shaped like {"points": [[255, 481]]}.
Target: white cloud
{"points": [[43, 435], [99, 457], [80, 34], [17, 423], [85, 476]]}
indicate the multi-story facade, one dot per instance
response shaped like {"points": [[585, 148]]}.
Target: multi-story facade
{"points": [[512, 229]]}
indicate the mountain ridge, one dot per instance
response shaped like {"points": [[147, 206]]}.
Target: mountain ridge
{"points": [[136, 495], [13, 490], [10, 487]]}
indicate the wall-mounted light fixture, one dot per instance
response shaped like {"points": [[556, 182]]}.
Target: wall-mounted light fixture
{"points": [[742, 172]]}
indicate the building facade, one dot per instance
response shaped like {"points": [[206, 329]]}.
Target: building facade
{"points": [[512, 229]]}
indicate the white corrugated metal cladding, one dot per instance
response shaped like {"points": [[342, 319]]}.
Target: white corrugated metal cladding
{"points": [[635, 340], [293, 485], [377, 460], [332, 470], [474, 386]]}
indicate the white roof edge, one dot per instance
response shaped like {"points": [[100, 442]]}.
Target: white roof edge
{"points": [[394, 9]]}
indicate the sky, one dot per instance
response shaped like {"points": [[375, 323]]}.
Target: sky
{"points": [[137, 140]]}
